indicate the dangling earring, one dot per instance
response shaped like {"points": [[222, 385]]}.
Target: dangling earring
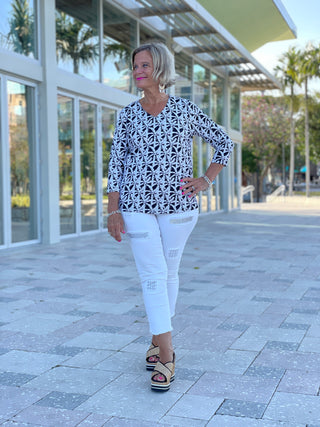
{"points": [[161, 88]]}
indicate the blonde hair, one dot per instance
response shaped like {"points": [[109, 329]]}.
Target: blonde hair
{"points": [[163, 62]]}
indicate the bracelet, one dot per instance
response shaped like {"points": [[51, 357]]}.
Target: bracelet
{"points": [[114, 212], [207, 179]]}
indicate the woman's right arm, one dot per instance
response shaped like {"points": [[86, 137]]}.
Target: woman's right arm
{"points": [[116, 168], [115, 221]]}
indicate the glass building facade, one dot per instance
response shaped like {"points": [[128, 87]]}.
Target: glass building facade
{"points": [[64, 77]]}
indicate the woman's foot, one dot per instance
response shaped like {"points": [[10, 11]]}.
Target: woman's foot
{"points": [[152, 357], [163, 375]]}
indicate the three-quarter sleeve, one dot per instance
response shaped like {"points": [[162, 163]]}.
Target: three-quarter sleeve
{"points": [[118, 154], [212, 133]]}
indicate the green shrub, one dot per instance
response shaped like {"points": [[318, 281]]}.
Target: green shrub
{"points": [[20, 201]]}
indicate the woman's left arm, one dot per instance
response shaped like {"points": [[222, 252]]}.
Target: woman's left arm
{"points": [[212, 133]]}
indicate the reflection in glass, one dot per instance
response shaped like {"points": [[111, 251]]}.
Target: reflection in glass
{"points": [[1, 189], [217, 99], [119, 39], [235, 108], [195, 156], [201, 98], [22, 162], [201, 87], [183, 75], [89, 217], [234, 177], [108, 122], [18, 27], [66, 168], [77, 37], [215, 197]]}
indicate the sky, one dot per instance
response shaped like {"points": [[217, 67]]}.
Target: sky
{"points": [[306, 16]]}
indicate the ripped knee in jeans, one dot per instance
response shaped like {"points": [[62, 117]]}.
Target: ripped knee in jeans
{"points": [[181, 220], [137, 234], [151, 285], [173, 253]]}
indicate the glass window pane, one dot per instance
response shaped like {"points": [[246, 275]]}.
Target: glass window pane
{"points": [[201, 98], [217, 99], [201, 87], [147, 35], [18, 27], [119, 39], [89, 218], [108, 124], [1, 185], [66, 164], [235, 178], [215, 197], [77, 37], [23, 165], [183, 75], [235, 108], [204, 194]]}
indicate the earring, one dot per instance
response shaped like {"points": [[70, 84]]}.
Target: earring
{"points": [[161, 88]]}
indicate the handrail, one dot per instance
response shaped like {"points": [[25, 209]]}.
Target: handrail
{"points": [[280, 190], [248, 189]]}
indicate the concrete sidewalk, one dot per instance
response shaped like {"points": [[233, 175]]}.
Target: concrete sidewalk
{"points": [[73, 331]]}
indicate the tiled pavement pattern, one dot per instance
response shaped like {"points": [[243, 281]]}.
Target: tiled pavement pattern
{"points": [[73, 331]]}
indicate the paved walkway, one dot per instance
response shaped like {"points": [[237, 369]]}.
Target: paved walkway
{"points": [[73, 331]]}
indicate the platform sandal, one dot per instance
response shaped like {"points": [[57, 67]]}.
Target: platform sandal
{"points": [[153, 352], [165, 372]]}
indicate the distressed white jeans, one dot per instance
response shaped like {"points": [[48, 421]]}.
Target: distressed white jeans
{"points": [[157, 243]]}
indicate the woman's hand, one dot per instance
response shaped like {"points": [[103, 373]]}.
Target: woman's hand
{"points": [[116, 226], [191, 186]]}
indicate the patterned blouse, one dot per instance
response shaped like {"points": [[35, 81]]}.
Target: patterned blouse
{"points": [[150, 155]]}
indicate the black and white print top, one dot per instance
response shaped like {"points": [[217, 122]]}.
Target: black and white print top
{"points": [[150, 154]]}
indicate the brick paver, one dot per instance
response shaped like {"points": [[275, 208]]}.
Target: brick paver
{"points": [[73, 330]]}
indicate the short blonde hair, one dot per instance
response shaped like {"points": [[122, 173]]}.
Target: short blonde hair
{"points": [[163, 62]]}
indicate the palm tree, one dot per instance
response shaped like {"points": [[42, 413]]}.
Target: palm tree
{"points": [[288, 73], [310, 68], [75, 40], [21, 25]]}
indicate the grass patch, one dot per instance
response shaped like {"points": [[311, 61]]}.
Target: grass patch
{"points": [[303, 193]]}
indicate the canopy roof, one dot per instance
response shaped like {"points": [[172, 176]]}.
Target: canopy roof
{"points": [[253, 22], [195, 30]]}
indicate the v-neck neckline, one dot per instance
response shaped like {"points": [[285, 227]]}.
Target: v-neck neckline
{"points": [[160, 112]]}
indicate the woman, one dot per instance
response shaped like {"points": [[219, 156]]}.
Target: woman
{"points": [[152, 191]]}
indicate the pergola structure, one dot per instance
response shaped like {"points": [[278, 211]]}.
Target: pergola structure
{"points": [[193, 29]]}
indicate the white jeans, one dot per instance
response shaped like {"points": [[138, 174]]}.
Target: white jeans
{"points": [[157, 243]]}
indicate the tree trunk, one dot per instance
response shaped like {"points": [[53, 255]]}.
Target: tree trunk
{"points": [[75, 66], [292, 143], [258, 185], [306, 137]]}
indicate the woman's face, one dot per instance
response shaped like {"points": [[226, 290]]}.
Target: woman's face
{"points": [[143, 70]]}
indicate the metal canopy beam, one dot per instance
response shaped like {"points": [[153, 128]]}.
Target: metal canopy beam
{"points": [[244, 73], [191, 32], [209, 48], [224, 62], [161, 11]]}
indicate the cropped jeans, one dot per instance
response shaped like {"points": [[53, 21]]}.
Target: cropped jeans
{"points": [[157, 243]]}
